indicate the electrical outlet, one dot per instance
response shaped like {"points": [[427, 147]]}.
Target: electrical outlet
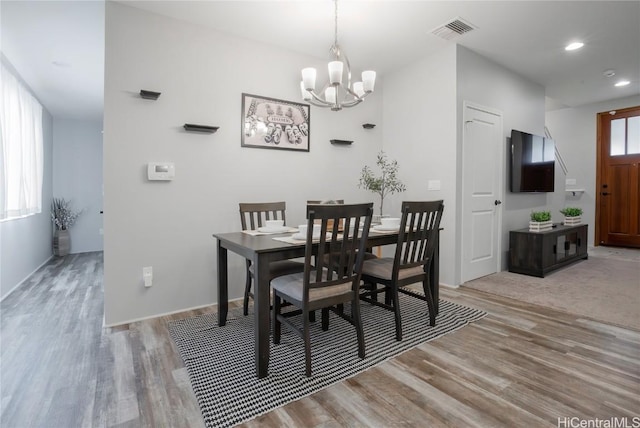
{"points": [[147, 276], [101, 231]]}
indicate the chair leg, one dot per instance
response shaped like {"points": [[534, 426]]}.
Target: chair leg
{"points": [[307, 344], [312, 316], [277, 303], [396, 306], [371, 288], [430, 303], [325, 319], [374, 288], [357, 320], [247, 290]]}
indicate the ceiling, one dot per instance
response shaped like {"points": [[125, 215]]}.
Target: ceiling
{"points": [[58, 46]]}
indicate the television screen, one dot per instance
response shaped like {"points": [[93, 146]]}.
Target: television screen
{"points": [[532, 163]]}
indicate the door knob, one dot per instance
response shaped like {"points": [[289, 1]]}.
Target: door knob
{"points": [[605, 193], [497, 202]]}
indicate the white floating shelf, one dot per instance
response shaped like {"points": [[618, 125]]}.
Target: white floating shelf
{"points": [[575, 192]]}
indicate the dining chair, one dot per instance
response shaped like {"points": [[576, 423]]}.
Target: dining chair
{"points": [[324, 202], [326, 282], [253, 216], [367, 254], [417, 238]]}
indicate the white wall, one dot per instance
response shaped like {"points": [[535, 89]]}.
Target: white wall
{"points": [[419, 111], [25, 244], [574, 131], [77, 176], [424, 133], [522, 103], [168, 225]]}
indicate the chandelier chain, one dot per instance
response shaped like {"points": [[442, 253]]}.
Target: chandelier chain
{"points": [[336, 23]]}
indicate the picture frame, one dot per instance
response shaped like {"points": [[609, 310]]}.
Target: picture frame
{"points": [[270, 123]]}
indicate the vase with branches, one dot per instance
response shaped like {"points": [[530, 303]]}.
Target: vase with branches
{"points": [[384, 183], [63, 217]]}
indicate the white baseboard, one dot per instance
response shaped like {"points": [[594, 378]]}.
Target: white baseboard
{"points": [[104, 325], [25, 278], [449, 285]]}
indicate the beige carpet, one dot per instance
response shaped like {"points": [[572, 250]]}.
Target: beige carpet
{"points": [[606, 287]]}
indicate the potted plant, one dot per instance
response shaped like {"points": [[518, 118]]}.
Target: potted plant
{"points": [[572, 215], [384, 184], [540, 221], [63, 218]]}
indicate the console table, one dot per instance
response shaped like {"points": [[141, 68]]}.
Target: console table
{"points": [[538, 253]]}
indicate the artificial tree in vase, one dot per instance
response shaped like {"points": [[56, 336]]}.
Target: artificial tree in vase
{"points": [[386, 183]]}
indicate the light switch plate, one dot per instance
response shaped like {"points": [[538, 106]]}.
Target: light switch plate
{"points": [[433, 185], [571, 182]]}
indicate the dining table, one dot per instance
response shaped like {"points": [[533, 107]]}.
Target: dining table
{"points": [[262, 249]]}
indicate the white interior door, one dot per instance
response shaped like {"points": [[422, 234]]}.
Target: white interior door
{"points": [[482, 173]]}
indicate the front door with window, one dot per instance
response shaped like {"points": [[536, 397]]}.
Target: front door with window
{"points": [[618, 179]]}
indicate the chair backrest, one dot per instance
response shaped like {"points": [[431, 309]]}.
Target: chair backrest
{"points": [[254, 215], [325, 202], [418, 233], [338, 257]]}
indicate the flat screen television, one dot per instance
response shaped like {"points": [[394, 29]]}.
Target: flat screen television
{"points": [[532, 163]]}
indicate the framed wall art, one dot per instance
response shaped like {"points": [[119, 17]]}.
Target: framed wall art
{"points": [[269, 123]]}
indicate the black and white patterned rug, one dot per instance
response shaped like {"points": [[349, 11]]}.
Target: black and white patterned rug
{"points": [[220, 360]]}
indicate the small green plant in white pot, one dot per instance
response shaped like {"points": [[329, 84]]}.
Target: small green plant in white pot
{"points": [[572, 215], [540, 221]]}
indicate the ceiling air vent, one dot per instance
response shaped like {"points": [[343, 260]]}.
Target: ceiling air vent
{"points": [[454, 28]]}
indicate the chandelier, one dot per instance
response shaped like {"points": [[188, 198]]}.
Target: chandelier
{"points": [[335, 94]]}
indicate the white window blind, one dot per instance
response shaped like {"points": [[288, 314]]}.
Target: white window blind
{"points": [[20, 149]]}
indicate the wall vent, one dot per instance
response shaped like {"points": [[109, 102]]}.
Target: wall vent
{"points": [[454, 28]]}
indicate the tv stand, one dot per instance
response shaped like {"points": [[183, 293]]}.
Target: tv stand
{"points": [[538, 253]]}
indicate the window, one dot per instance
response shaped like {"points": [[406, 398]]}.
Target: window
{"points": [[625, 136], [20, 149]]}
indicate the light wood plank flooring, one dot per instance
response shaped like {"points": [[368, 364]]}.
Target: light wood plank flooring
{"points": [[521, 366]]}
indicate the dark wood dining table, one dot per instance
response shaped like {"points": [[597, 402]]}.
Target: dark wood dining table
{"points": [[262, 250]]}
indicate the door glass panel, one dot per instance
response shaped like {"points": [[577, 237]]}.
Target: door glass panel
{"points": [[560, 251], [617, 137], [571, 244], [633, 137]]}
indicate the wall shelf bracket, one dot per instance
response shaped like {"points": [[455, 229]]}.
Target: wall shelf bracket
{"points": [[200, 128], [574, 192], [149, 95]]}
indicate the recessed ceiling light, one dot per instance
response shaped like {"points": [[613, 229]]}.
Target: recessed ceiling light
{"points": [[573, 46], [622, 83]]}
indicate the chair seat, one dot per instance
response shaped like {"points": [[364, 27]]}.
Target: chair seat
{"points": [[282, 267], [293, 285], [367, 256], [382, 268]]}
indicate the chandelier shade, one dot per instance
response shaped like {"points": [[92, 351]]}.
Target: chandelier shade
{"points": [[336, 93]]}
